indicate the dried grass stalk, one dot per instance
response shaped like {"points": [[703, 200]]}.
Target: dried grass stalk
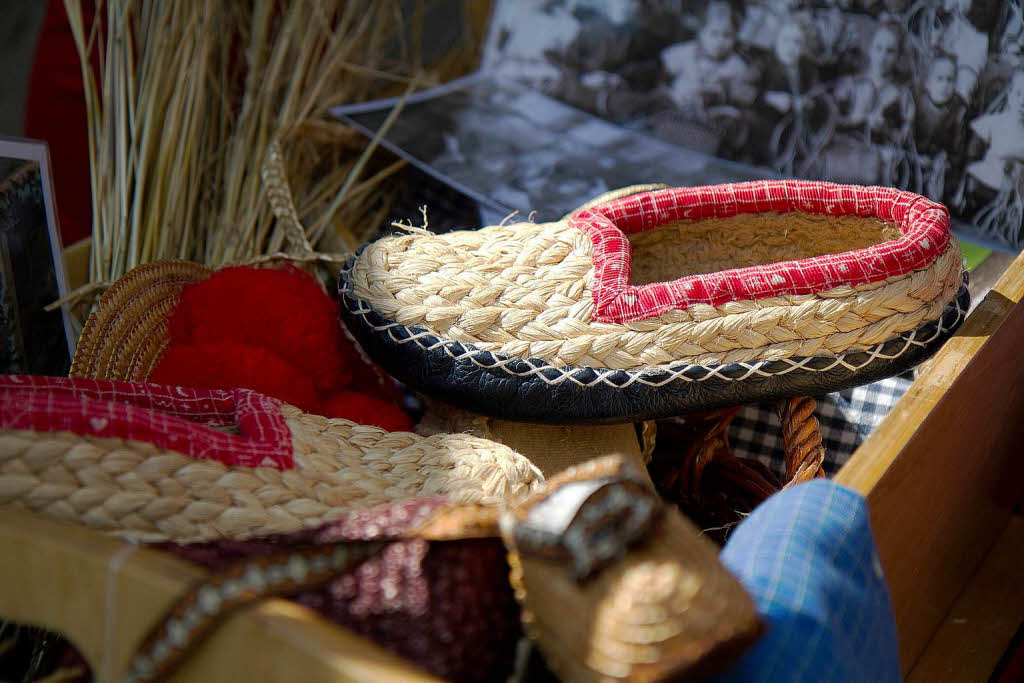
{"points": [[184, 98]]}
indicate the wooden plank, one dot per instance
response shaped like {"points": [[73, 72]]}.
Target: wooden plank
{"points": [[984, 619], [104, 594], [941, 473], [553, 448], [76, 263]]}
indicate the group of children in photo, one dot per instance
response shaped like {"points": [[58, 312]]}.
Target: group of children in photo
{"points": [[926, 95]]}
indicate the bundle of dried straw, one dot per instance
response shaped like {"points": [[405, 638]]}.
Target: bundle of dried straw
{"points": [[184, 98]]}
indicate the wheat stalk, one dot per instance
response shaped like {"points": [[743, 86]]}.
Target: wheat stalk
{"points": [[184, 98]]}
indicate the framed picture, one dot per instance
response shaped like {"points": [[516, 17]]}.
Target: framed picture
{"points": [[32, 340]]}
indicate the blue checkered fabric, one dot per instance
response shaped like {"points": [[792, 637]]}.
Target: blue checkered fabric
{"points": [[846, 418], [807, 556]]}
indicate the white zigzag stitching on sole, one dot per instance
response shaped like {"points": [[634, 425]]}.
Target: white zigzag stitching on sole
{"points": [[674, 372]]}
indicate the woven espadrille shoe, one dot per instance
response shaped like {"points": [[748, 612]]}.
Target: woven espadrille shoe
{"points": [[665, 301], [156, 463], [210, 464]]}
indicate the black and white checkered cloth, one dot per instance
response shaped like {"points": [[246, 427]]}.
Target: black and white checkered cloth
{"points": [[846, 418]]}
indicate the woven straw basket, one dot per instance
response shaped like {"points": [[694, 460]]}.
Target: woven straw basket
{"points": [[145, 491]]}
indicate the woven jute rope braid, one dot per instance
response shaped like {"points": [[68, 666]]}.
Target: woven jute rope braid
{"points": [[525, 290], [141, 491]]}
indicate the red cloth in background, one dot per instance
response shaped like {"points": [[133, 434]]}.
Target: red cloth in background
{"points": [[55, 112]]}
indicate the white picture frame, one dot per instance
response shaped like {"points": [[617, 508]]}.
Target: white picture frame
{"points": [[23, 150]]}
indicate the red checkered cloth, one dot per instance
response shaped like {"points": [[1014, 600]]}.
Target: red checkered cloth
{"points": [[175, 418], [924, 224]]}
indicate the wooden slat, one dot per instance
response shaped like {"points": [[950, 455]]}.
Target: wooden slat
{"points": [[984, 619], [104, 595], [553, 448], [943, 471], [76, 263]]}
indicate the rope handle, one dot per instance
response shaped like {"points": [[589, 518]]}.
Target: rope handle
{"points": [[279, 194], [801, 442], [705, 440], [801, 439]]}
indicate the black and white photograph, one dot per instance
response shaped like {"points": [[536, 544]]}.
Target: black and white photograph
{"points": [[32, 340], [514, 149], [916, 94]]}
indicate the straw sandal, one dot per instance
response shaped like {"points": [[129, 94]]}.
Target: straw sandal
{"points": [[787, 288]]}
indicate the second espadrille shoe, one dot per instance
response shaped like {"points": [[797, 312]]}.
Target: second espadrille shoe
{"points": [[665, 301], [154, 463]]}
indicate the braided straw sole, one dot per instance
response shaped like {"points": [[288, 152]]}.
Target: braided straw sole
{"points": [[525, 291], [141, 491]]}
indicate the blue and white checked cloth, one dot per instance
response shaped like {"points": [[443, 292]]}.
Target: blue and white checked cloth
{"points": [[807, 556], [846, 419]]}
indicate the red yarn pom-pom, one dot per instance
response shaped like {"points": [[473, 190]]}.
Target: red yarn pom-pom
{"points": [[282, 309], [227, 365], [363, 409]]}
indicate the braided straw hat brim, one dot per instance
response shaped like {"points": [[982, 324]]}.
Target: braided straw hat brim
{"points": [[126, 334]]}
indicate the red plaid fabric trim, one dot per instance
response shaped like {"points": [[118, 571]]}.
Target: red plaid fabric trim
{"points": [[175, 418], [924, 224]]}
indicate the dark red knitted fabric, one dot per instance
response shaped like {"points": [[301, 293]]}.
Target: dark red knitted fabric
{"points": [[445, 605], [367, 410], [228, 365], [281, 309]]}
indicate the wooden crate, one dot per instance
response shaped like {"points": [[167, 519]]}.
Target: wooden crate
{"points": [[941, 475]]}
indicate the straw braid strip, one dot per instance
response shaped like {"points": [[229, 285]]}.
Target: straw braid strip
{"points": [[279, 195], [141, 491], [526, 291]]}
